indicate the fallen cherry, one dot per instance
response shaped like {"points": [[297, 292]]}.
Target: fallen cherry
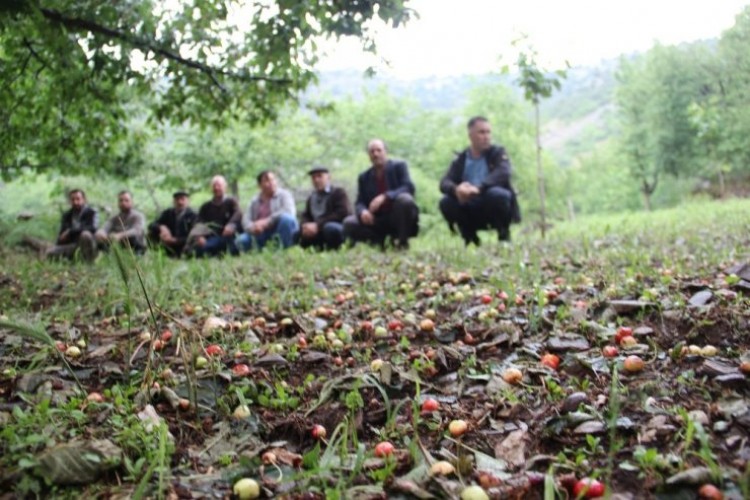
{"points": [[458, 428], [214, 350], [318, 431], [241, 370], [588, 488], [384, 449], [429, 405]]}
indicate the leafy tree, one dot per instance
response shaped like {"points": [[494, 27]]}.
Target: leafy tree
{"points": [[654, 95], [69, 68], [732, 96], [600, 181], [537, 83]]}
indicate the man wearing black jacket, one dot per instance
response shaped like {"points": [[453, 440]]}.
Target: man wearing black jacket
{"points": [[172, 227], [325, 210], [385, 201], [477, 187], [219, 220], [77, 230]]}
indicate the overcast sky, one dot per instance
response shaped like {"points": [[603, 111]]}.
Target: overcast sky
{"points": [[469, 36]]}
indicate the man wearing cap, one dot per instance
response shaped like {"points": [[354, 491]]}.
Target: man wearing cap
{"points": [[172, 227], [271, 214], [477, 188], [127, 228], [218, 221], [326, 208], [385, 201]]}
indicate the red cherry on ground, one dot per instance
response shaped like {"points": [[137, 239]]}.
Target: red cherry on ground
{"points": [[623, 331], [429, 405], [710, 492], [395, 325], [384, 449], [551, 360], [588, 488], [609, 351], [318, 431], [214, 350], [241, 370]]}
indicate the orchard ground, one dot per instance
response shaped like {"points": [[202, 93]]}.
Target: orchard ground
{"points": [[191, 375]]}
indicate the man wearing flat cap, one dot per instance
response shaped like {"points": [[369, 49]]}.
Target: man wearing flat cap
{"points": [[171, 229], [322, 221]]}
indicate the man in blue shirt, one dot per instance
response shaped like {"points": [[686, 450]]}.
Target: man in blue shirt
{"points": [[477, 188]]}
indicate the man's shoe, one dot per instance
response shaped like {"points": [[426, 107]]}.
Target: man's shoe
{"points": [[471, 238], [503, 234]]}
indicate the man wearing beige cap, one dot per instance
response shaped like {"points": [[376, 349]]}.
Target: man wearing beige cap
{"points": [[326, 208]]}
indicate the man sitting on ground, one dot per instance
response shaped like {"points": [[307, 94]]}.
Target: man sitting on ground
{"points": [[385, 201], [477, 188], [325, 211], [77, 229], [171, 229], [127, 228], [218, 221], [271, 213]]}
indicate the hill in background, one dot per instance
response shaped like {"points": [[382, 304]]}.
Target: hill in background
{"points": [[575, 119]]}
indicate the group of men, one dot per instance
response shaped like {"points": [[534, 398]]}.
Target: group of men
{"points": [[477, 194]]}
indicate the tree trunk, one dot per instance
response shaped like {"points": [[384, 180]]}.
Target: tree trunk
{"points": [[647, 200], [540, 173], [234, 188], [571, 210], [722, 186]]}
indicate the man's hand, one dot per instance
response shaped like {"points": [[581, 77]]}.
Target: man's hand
{"points": [[228, 230], [64, 236], [376, 203], [116, 237], [260, 225], [309, 229], [367, 218], [101, 236], [466, 191], [165, 235], [200, 241]]}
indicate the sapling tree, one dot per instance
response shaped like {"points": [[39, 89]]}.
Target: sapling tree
{"points": [[537, 83]]}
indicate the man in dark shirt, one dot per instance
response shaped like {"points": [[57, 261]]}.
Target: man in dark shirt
{"points": [[218, 221], [477, 188], [325, 210], [172, 227], [77, 230], [385, 201]]}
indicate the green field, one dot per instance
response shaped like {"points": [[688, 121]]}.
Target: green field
{"points": [[297, 333]]}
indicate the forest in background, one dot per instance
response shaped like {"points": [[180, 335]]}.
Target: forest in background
{"points": [[646, 131]]}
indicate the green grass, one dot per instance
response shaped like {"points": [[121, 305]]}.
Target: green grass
{"points": [[629, 255]]}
